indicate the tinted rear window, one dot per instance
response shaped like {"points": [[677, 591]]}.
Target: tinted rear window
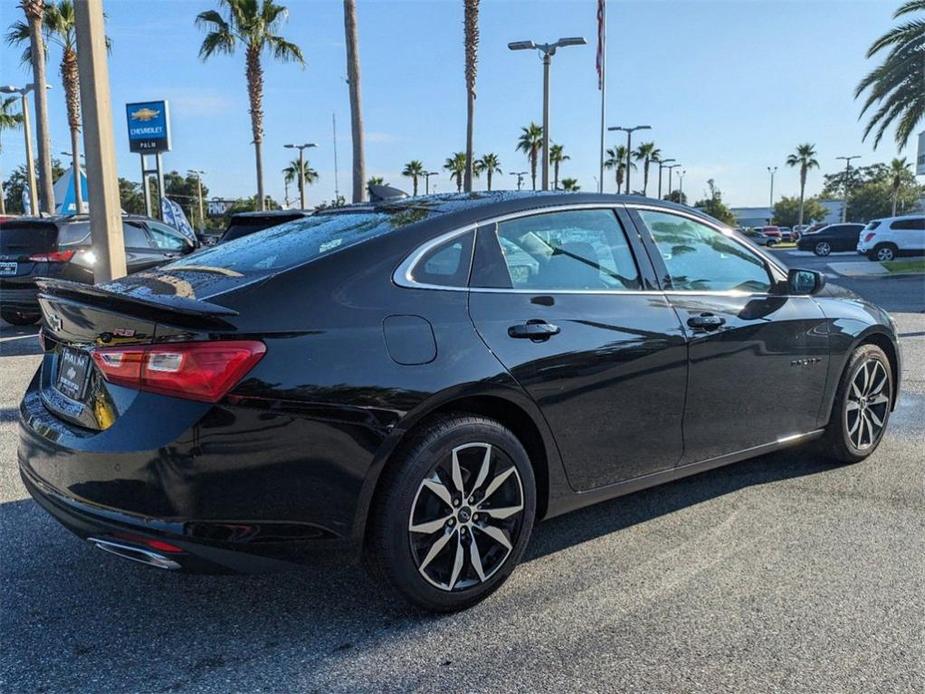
{"points": [[74, 234], [243, 226], [22, 238], [288, 245]]}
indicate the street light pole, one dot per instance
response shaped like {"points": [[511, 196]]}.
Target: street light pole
{"points": [[301, 149], [671, 168], [844, 209], [772, 171], [23, 93], [661, 165], [681, 175], [547, 50], [427, 175], [520, 177], [629, 148]]}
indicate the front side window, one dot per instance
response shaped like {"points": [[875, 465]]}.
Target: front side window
{"points": [[167, 239], [571, 250], [134, 236], [700, 258]]}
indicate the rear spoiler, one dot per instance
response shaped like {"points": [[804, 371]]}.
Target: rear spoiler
{"points": [[174, 310]]}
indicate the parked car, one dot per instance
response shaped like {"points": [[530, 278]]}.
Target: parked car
{"points": [[832, 238], [246, 223], [772, 232], [419, 382], [32, 247], [785, 233], [890, 238], [757, 237]]}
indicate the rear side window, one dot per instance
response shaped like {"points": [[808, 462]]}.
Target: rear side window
{"points": [[577, 250], [288, 245], [909, 224], [447, 265]]}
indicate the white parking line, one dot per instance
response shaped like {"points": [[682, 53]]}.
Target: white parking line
{"points": [[17, 337]]}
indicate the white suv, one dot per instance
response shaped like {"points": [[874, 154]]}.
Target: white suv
{"points": [[887, 239]]}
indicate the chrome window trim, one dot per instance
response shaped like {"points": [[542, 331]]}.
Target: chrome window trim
{"points": [[402, 275]]}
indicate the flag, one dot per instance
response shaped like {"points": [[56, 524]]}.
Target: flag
{"points": [[601, 40], [173, 215]]}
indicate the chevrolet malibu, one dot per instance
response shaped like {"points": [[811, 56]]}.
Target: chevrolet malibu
{"points": [[417, 383]]}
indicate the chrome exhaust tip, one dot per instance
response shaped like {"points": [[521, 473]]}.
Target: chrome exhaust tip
{"points": [[132, 553]]}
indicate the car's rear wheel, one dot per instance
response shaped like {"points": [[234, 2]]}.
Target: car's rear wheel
{"points": [[454, 513], [885, 252], [822, 248], [18, 318], [862, 406]]}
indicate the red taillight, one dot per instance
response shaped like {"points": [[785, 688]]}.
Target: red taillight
{"points": [[53, 257], [150, 542], [193, 370], [870, 235]]}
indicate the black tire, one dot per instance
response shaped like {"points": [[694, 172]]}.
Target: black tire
{"points": [[17, 318], [885, 252], [822, 249], [394, 553], [840, 441]]}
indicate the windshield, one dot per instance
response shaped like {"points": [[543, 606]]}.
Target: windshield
{"points": [[291, 244]]}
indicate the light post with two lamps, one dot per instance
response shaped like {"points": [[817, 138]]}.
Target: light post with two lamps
{"points": [[629, 147], [301, 149]]}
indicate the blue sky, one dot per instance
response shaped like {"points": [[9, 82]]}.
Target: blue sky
{"points": [[729, 88]]}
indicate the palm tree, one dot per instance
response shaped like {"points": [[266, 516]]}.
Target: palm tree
{"points": [[414, 169], [616, 159], [569, 185], [530, 143], [375, 181], [647, 153], [557, 155], [291, 173], [8, 121], [456, 165], [899, 170], [471, 30], [35, 13], [805, 158], [490, 165], [356, 115], [897, 85], [256, 25], [60, 29]]}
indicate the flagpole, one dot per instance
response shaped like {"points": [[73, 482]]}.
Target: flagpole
{"points": [[602, 37]]}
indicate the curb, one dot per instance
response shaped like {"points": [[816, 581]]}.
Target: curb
{"points": [[860, 270]]}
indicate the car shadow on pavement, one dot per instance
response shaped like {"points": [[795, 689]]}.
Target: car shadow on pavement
{"points": [[19, 341]]}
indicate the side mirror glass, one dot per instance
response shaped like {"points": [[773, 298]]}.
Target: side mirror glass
{"points": [[804, 282]]}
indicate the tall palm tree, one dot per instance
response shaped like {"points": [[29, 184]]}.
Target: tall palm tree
{"points": [[60, 29], [557, 155], [375, 181], [291, 173], [471, 26], [897, 85], [530, 143], [8, 121], [255, 24], [616, 160], [647, 153], [357, 136], [490, 164], [414, 169], [899, 170], [570, 185], [805, 158], [456, 165], [35, 13]]}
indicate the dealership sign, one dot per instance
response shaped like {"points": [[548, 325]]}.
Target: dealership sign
{"points": [[148, 127]]}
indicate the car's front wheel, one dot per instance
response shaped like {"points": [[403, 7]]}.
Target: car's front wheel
{"points": [[862, 406], [822, 248], [18, 318], [454, 513]]}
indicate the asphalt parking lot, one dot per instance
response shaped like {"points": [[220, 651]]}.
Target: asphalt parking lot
{"points": [[776, 574]]}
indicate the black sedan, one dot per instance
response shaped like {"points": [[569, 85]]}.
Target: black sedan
{"points": [[833, 238], [60, 247], [419, 382]]}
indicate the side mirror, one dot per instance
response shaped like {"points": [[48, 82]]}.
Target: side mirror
{"points": [[805, 282]]}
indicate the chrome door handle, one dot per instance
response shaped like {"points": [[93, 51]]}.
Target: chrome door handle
{"points": [[706, 321]]}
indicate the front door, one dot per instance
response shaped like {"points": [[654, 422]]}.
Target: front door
{"points": [[558, 299], [758, 359]]}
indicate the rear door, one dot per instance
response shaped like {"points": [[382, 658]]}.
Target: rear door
{"points": [[758, 360], [846, 237], [140, 253], [563, 301]]}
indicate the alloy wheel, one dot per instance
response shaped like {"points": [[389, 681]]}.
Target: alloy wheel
{"points": [[466, 517], [867, 404], [885, 254], [823, 248]]}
